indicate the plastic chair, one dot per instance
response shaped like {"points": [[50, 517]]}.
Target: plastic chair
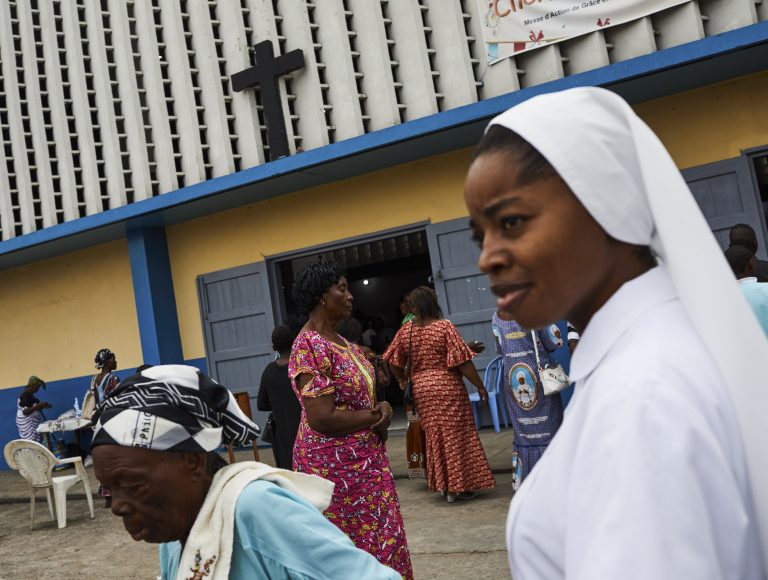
{"points": [[493, 380], [36, 463]]}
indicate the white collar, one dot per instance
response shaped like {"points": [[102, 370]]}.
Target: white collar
{"points": [[616, 316], [748, 280]]}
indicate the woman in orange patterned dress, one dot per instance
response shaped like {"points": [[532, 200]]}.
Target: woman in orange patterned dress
{"points": [[456, 462]]}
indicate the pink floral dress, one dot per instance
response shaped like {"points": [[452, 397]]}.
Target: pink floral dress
{"points": [[364, 504]]}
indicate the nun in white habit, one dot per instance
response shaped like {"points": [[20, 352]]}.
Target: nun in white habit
{"points": [[658, 470]]}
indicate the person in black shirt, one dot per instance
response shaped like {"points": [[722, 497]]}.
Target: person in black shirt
{"points": [[276, 394]]}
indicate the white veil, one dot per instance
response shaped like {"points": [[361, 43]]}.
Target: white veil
{"points": [[626, 179]]}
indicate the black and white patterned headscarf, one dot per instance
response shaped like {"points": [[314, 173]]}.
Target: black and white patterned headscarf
{"points": [[171, 408], [102, 357]]}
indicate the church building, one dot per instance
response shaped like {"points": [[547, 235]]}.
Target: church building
{"points": [[168, 166]]}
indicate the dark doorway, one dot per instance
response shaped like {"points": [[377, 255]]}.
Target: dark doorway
{"points": [[380, 273]]}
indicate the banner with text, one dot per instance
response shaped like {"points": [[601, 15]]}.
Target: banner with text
{"points": [[511, 27]]}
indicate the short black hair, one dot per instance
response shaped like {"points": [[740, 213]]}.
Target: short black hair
{"points": [[142, 368], [743, 235], [314, 281], [282, 338], [738, 259], [423, 302], [532, 166]]}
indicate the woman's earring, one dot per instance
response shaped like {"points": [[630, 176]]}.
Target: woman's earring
{"points": [[322, 303]]}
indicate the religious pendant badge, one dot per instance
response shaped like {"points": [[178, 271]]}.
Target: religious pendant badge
{"points": [[552, 376]]}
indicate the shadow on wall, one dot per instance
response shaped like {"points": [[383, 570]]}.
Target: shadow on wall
{"points": [[60, 394]]}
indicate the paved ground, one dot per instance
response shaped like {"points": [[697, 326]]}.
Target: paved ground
{"points": [[459, 540]]}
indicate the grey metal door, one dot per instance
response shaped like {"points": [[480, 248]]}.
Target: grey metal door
{"points": [[727, 196], [237, 323], [462, 290]]}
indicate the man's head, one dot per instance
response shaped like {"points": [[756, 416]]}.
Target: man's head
{"points": [[741, 261], [743, 235]]}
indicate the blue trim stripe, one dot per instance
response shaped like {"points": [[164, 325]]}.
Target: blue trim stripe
{"points": [[620, 72]]}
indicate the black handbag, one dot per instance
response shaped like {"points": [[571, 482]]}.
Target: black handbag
{"points": [[268, 433], [408, 390]]}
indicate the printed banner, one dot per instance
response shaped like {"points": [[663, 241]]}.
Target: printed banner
{"points": [[511, 27]]}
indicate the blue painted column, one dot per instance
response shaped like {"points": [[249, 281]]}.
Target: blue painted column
{"points": [[153, 293]]}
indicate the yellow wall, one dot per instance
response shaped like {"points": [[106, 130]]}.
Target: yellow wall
{"points": [[712, 123], [55, 314], [51, 324], [426, 189], [698, 127]]}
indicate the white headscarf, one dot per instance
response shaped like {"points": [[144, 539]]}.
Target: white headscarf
{"points": [[627, 181]]}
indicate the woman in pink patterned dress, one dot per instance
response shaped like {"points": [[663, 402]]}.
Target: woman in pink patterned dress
{"points": [[342, 431]]}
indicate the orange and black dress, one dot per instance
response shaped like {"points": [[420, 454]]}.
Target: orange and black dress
{"points": [[456, 461]]}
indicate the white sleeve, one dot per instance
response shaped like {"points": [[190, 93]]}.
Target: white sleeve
{"points": [[668, 505]]}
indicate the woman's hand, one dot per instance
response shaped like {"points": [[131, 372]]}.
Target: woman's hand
{"points": [[476, 346], [483, 395], [384, 409]]}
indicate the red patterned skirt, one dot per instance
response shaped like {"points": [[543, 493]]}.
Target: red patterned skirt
{"points": [[456, 461]]}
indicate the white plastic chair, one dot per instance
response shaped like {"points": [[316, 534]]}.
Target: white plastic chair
{"points": [[35, 463]]}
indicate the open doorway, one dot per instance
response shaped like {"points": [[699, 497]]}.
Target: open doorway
{"points": [[380, 272]]}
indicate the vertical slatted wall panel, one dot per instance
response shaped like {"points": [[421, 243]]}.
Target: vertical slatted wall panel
{"points": [[333, 35], [236, 50], [410, 50], [41, 180], [309, 104], [155, 119], [84, 150], [212, 94], [113, 178], [59, 102], [182, 93], [21, 194], [264, 22], [452, 55], [106, 102], [138, 162], [378, 81]]}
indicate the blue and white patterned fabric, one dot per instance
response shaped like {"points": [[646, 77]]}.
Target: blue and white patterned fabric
{"points": [[535, 417]]}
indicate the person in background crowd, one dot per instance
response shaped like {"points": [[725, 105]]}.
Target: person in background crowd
{"points": [[573, 337], [659, 467], [439, 359], [29, 410], [370, 338], [744, 235], [213, 520], [742, 261], [105, 380], [351, 329], [102, 384], [343, 428], [386, 333], [404, 311], [536, 418], [276, 395]]}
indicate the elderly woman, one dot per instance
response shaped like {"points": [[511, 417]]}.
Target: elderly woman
{"points": [[154, 445], [343, 428], [572, 200], [29, 410]]}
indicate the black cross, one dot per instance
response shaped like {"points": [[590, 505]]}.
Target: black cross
{"points": [[266, 71]]}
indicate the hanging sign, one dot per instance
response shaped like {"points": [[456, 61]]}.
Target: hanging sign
{"points": [[512, 27]]}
